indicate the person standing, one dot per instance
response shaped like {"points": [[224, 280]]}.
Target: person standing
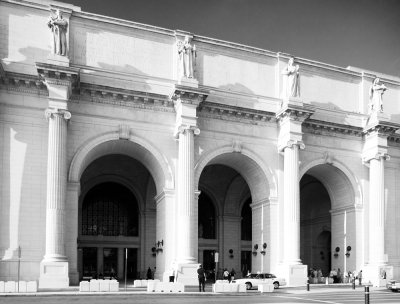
{"points": [[202, 278], [360, 278]]}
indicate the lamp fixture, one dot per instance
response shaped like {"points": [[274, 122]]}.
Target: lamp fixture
{"points": [[231, 253]]}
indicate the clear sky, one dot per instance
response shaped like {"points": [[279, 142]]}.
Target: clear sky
{"points": [[360, 33]]}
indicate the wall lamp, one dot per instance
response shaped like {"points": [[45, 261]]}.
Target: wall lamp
{"points": [[153, 251], [348, 251], [231, 253], [159, 246], [255, 249], [264, 247], [336, 254]]}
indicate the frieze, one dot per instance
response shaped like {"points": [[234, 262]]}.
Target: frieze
{"points": [[327, 128], [225, 112], [22, 83]]}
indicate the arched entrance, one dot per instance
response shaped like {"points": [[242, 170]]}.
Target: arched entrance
{"points": [[233, 181], [109, 211], [329, 217], [117, 216]]}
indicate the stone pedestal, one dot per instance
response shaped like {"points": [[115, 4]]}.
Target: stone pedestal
{"points": [[296, 275], [53, 274], [188, 82], [58, 60], [187, 274]]}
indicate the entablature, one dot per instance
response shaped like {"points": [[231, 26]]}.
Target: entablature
{"points": [[226, 112], [329, 128]]}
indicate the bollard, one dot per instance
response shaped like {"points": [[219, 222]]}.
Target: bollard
{"points": [[308, 285], [354, 283], [366, 294]]}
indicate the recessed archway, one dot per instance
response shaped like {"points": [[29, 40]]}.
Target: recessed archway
{"points": [[328, 196]]}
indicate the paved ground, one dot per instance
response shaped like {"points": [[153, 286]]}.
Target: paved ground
{"points": [[317, 294]]}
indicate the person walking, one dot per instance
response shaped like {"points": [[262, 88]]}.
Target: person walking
{"points": [[202, 278]]}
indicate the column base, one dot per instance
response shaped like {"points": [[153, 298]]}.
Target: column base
{"points": [[377, 275], [53, 275], [295, 275], [187, 274]]}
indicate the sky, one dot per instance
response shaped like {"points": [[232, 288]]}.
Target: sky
{"points": [[359, 33]]}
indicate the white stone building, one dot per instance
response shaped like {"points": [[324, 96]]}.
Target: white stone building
{"points": [[129, 141]]}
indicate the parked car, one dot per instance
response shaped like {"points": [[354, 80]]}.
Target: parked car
{"points": [[394, 285], [254, 279]]}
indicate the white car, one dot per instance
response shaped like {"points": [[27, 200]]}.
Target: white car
{"points": [[253, 279]]}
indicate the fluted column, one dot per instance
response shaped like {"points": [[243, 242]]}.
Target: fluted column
{"points": [[186, 209], [56, 184], [292, 203], [377, 209]]}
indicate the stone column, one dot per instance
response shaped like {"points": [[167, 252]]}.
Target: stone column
{"points": [[291, 117], [374, 154], [291, 201], [59, 81], [186, 209], [377, 209], [186, 100]]}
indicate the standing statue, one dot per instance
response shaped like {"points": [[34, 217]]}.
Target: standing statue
{"points": [[59, 27], [291, 80], [375, 95], [187, 55]]}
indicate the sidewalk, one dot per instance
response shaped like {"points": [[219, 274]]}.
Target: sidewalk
{"points": [[193, 290]]}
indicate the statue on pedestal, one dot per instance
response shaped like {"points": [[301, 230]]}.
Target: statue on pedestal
{"points": [[59, 27], [186, 55], [291, 80], [375, 94]]}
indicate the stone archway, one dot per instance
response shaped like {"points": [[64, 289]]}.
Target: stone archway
{"points": [[137, 149], [329, 196], [234, 175]]}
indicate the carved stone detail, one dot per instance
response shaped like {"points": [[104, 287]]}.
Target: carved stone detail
{"points": [[49, 113]]}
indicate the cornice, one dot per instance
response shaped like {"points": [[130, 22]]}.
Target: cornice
{"points": [[295, 112], [189, 95], [22, 83], [123, 97], [59, 75], [384, 128], [328, 128], [226, 112]]}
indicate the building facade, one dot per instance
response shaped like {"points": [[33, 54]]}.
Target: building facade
{"points": [[124, 142]]}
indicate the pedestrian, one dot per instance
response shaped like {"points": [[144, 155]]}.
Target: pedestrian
{"points": [[149, 274], [360, 277], [202, 278], [232, 275], [226, 274]]}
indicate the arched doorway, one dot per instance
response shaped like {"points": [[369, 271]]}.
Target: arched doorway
{"points": [[315, 220], [116, 216], [109, 210], [234, 180], [329, 217]]}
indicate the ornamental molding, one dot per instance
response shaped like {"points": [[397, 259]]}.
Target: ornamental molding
{"points": [[22, 83], [295, 111], [58, 75], [226, 112], [183, 128], [123, 97], [319, 127], [188, 95], [382, 128]]}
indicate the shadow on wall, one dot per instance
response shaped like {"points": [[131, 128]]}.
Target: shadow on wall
{"points": [[24, 188]]}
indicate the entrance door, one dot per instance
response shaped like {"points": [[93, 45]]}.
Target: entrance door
{"points": [[132, 264], [209, 263], [245, 262], [110, 262], [89, 262]]}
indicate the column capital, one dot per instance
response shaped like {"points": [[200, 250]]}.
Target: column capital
{"points": [[59, 80], [290, 144], [50, 112], [367, 157], [182, 129]]}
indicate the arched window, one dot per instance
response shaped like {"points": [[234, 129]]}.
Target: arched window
{"points": [[246, 221], [110, 209], [206, 217]]}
